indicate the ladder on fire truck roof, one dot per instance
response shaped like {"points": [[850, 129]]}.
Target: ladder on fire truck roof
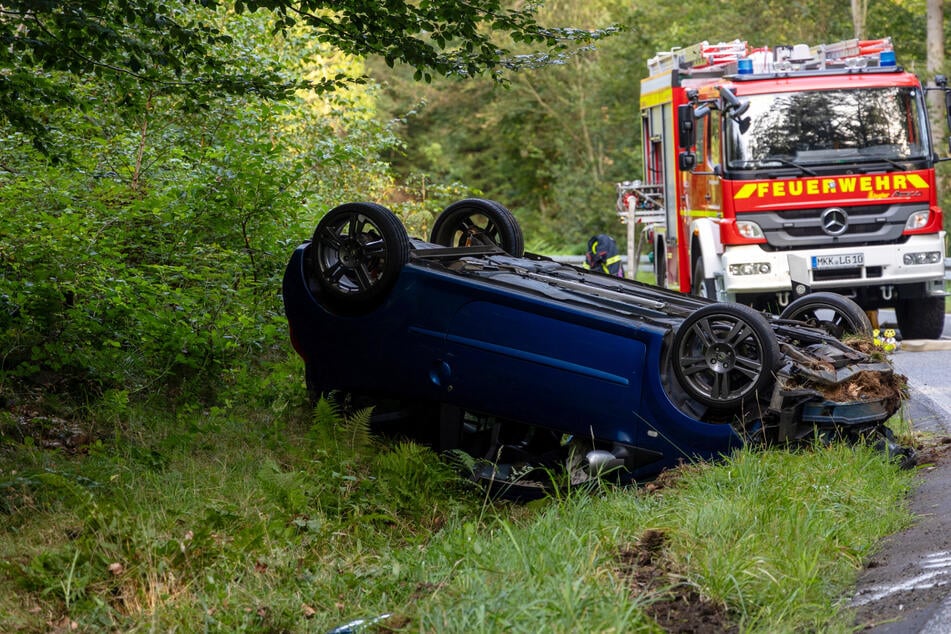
{"points": [[713, 56]]}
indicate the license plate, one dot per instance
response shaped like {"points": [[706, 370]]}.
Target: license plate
{"points": [[842, 261]]}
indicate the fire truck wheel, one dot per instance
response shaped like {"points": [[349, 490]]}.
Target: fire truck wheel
{"points": [[725, 355], [837, 315], [477, 221], [701, 285], [356, 254], [920, 318], [660, 263]]}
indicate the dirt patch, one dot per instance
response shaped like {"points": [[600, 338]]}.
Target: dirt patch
{"points": [[870, 386], [675, 605], [668, 478], [863, 344], [935, 454], [46, 431]]}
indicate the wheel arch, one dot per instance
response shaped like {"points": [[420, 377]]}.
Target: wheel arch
{"points": [[705, 244]]}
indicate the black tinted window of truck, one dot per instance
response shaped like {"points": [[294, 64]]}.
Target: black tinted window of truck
{"points": [[810, 128]]}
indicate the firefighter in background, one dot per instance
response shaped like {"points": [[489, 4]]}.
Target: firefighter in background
{"points": [[603, 256]]}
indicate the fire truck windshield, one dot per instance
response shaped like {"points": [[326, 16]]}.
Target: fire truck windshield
{"points": [[827, 127]]}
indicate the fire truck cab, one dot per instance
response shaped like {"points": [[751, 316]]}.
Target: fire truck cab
{"points": [[773, 173]]}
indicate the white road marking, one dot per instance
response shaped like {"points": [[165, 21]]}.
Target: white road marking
{"points": [[938, 573]]}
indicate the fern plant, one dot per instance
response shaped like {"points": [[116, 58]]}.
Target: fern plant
{"points": [[338, 426]]}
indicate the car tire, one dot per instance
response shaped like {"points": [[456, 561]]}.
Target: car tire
{"points": [[831, 312], [725, 355], [477, 221], [700, 285], [357, 252], [920, 318]]}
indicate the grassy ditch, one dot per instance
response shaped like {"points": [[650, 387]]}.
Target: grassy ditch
{"points": [[279, 519]]}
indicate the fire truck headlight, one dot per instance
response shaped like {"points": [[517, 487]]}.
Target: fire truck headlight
{"points": [[749, 230], [922, 257], [918, 220], [750, 268]]}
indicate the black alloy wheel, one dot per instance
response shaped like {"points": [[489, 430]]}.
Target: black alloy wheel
{"points": [[359, 250], [725, 355], [478, 222]]}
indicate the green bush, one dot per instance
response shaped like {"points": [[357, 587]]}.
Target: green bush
{"points": [[162, 273]]}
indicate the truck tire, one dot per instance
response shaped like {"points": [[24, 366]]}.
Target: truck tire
{"points": [[920, 318], [700, 285], [660, 263]]}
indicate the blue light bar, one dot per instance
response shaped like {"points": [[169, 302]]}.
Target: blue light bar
{"points": [[744, 66], [887, 58]]}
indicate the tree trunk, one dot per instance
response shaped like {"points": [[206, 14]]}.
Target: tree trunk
{"points": [[935, 65], [859, 13], [936, 101]]}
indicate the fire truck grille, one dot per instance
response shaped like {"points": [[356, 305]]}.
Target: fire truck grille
{"points": [[818, 227]]}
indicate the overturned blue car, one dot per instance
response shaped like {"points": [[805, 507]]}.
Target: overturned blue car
{"points": [[526, 364]]}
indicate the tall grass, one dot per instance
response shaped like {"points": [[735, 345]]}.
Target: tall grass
{"points": [[777, 536], [273, 518]]}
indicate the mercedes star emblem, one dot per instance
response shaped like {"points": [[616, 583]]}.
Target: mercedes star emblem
{"points": [[834, 221]]}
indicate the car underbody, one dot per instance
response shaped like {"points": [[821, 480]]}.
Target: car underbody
{"points": [[526, 367]]}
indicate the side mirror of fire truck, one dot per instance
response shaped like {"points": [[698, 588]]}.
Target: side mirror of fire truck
{"points": [[735, 106], [687, 133], [686, 126], [686, 161], [941, 83]]}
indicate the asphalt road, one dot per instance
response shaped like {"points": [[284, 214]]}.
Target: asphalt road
{"points": [[927, 364], [906, 588]]}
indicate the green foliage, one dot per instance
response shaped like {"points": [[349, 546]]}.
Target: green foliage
{"points": [[450, 38], [152, 263], [552, 146], [188, 48], [45, 489], [411, 477], [273, 516], [118, 295], [207, 509], [805, 541], [168, 47]]}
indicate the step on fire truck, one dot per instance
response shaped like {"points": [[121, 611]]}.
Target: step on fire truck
{"points": [[771, 173]]}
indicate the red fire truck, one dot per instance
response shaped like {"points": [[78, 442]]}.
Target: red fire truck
{"points": [[772, 173]]}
